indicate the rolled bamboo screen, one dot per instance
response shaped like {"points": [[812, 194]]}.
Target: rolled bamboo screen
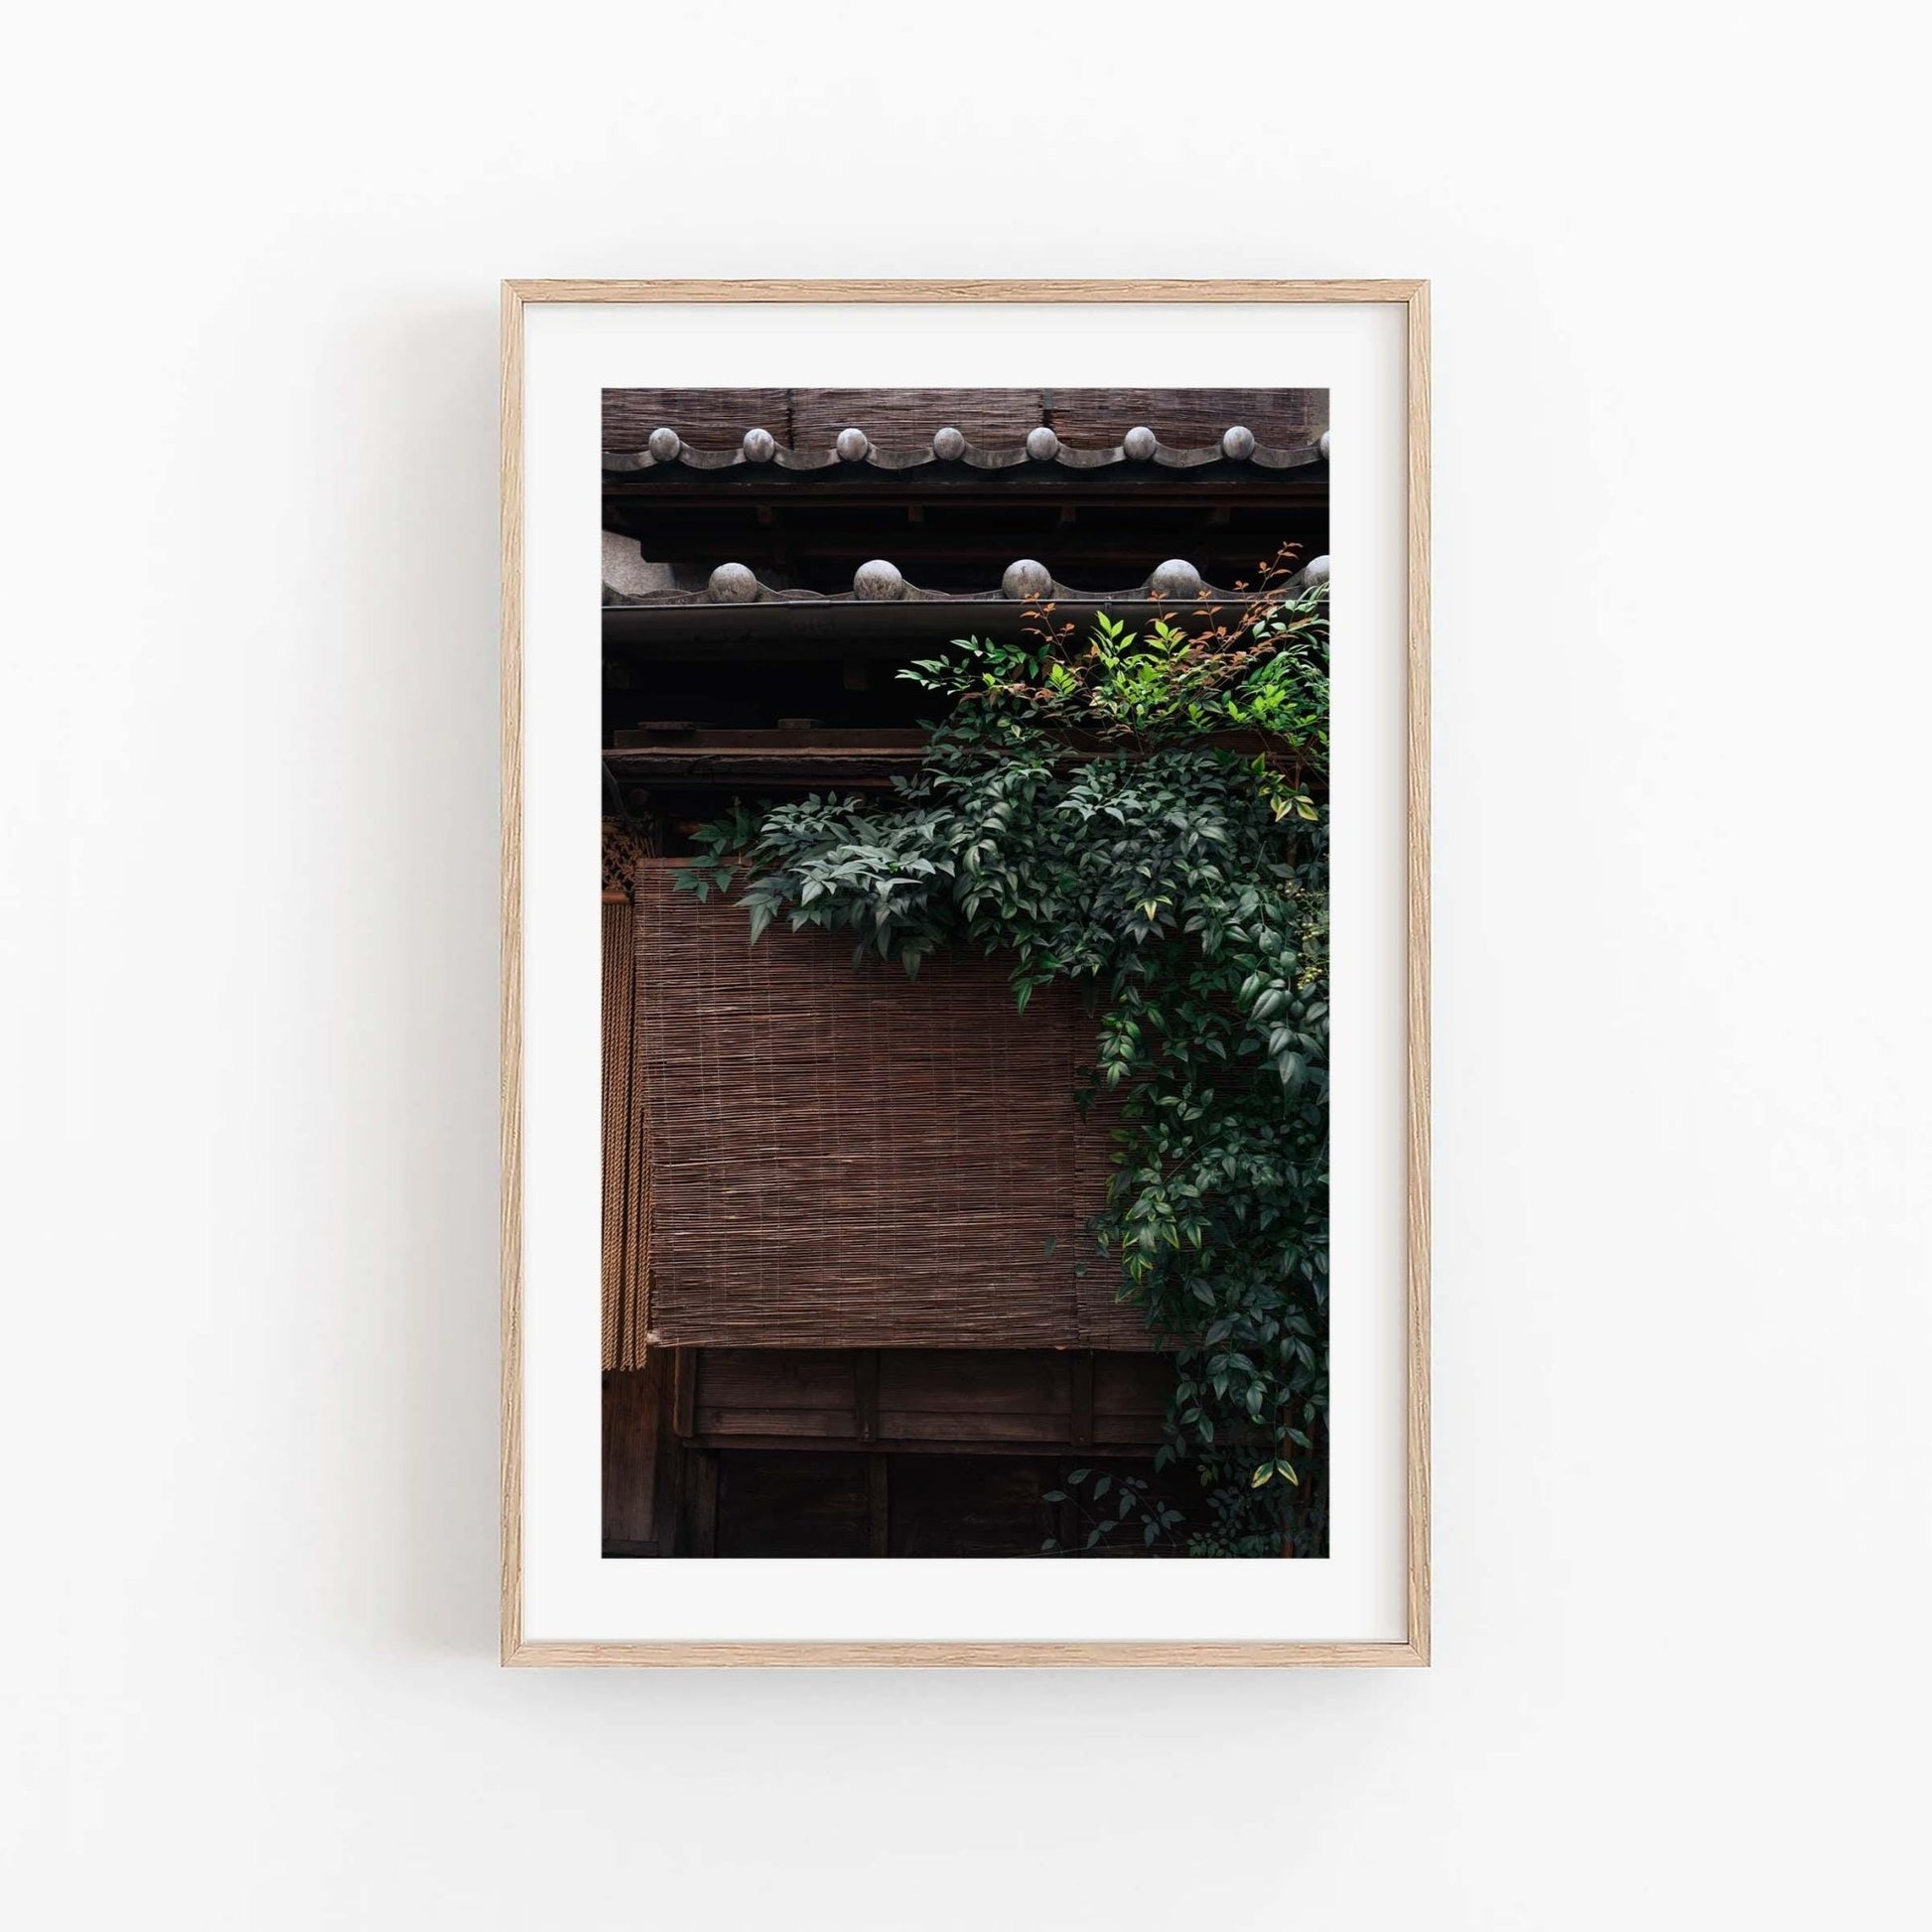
{"points": [[626, 1173], [840, 1158]]}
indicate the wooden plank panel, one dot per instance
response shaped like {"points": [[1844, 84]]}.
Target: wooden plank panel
{"points": [[708, 419], [879, 1513], [999, 1436], [1128, 1432], [778, 1379], [1189, 419], [867, 1407], [1046, 1428], [965, 1396], [974, 1381], [1129, 1396], [832, 1425], [1131, 1384], [634, 1420], [820, 739], [1082, 1430], [684, 1389], [701, 1503], [905, 419], [989, 1507], [793, 1505]]}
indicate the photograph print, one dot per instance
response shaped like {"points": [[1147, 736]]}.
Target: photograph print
{"points": [[965, 973]]}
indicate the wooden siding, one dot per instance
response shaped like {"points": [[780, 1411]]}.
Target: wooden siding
{"points": [[810, 419]]}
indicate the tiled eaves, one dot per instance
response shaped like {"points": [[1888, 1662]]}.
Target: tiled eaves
{"points": [[949, 453], [629, 581]]}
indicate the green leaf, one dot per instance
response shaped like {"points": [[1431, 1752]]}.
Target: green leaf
{"points": [[1180, 889]]}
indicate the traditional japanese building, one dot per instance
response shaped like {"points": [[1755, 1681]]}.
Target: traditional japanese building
{"points": [[848, 1305]]}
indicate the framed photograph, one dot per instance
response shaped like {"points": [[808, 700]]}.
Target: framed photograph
{"points": [[965, 973]]}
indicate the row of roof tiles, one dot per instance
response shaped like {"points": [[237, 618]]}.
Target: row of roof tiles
{"points": [[666, 449], [631, 579]]}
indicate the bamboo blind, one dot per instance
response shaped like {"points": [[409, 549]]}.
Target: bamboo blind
{"points": [[626, 1174], [840, 1158]]}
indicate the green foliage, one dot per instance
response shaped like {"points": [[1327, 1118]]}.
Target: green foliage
{"points": [[1082, 811], [1111, 1504]]}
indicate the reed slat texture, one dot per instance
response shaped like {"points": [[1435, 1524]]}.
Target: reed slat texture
{"points": [[619, 980], [844, 1159], [627, 1169]]}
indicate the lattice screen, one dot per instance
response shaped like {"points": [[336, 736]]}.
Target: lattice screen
{"points": [[834, 1157]]}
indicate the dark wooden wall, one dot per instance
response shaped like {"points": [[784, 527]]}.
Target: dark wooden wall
{"points": [[748, 1452], [810, 419]]}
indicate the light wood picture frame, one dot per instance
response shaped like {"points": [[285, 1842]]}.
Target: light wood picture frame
{"points": [[1411, 297]]}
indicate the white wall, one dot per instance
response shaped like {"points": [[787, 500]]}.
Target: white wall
{"points": [[248, 940]]}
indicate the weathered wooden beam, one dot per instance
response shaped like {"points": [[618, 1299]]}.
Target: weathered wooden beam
{"points": [[848, 627], [1135, 1442], [828, 756], [634, 1488], [805, 419], [1082, 1419], [815, 739], [867, 1406], [879, 1501], [701, 1502]]}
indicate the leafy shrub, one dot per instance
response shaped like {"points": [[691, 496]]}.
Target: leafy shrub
{"points": [[1143, 815]]}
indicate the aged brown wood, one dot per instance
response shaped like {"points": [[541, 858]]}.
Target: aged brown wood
{"points": [[1188, 418], [1083, 418], [818, 757], [989, 1395], [710, 419], [701, 1502], [1001, 1437], [1081, 1423], [673, 765], [966, 1431], [795, 1504], [777, 1378], [988, 1401], [877, 1473], [820, 1426], [920, 1382], [795, 1395], [684, 1386], [804, 741], [907, 418], [616, 1033], [625, 1171], [868, 1397], [779, 633], [992, 1506], [1129, 1396], [633, 1417]]}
